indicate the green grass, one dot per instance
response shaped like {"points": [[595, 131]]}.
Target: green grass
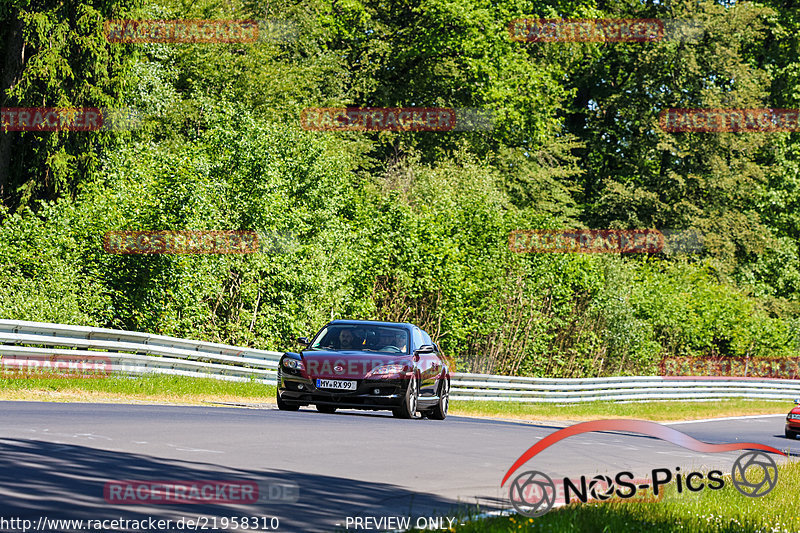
{"points": [[184, 389], [153, 387], [707, 511], [655, 411]]}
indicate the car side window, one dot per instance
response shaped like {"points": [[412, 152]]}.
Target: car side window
{"points": [[418, 341], [426, 339], [323, 338]]}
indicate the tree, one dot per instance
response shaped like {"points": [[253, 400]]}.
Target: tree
{"points": [[638, 175], [55, 54]]}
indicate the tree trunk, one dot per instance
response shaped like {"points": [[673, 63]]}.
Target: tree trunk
{"points": [[13, 61]]}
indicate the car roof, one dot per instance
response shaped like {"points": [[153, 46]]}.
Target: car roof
{"points": [[339, 322]]}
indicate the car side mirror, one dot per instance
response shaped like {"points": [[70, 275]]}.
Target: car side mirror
{"points": [[303, 341], [425, 348]]}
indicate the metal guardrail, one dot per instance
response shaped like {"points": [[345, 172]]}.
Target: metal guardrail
{"points": [[141, 353], [131, 352], [483, 387]]}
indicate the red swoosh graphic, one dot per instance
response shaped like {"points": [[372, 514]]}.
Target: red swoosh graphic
{"points": [[636, 426]]}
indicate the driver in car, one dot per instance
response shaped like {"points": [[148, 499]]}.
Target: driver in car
{"points": [[347, 340]]}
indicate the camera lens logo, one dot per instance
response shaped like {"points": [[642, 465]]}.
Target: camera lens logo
{"points": [[532, 493], [754, 474], [601, 487]]}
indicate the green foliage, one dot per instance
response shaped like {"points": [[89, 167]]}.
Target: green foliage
{"points": [[645, 410], [409, 226], [39, 280], [56, 55], [692, 314], [153, 387]]}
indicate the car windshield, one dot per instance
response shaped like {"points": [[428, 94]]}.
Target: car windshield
{"points": [[363, 338]]}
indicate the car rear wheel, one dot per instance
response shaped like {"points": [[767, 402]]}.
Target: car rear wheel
{"points": [[790, 434], [327, 409], [283, 406], [409, 407], [439, 411]]}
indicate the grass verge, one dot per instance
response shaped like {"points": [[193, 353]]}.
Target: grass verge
{"points": [[655, 411], [149, 388], [707, 511], [191, 390]]}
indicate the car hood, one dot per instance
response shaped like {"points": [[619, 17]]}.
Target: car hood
{"points": [[347, 364], [795, 411]]}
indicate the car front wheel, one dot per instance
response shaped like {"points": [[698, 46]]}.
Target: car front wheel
{"points": [[789, 434], [409, 407]]}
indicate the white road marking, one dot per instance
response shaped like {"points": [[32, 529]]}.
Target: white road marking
{"points": [[91, 436], [674, 454], [181, 449], [721, 419]]}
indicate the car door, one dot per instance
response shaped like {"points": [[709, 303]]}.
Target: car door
{"points": [[437, 366], [429, 368], [441, 363]]}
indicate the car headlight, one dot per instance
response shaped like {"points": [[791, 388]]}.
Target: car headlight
{"points": [[294, 364], [385, 370], [792, 416]]}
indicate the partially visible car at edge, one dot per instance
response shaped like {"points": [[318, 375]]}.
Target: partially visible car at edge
{"points": [[793, 422], [360, 364]]}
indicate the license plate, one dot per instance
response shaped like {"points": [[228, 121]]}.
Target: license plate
{"points": [[336, 384]]}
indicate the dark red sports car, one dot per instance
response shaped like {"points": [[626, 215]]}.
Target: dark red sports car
{"points": [[359, 364], [793, 422]]}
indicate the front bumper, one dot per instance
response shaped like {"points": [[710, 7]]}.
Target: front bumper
{"points": [[298, 390]]}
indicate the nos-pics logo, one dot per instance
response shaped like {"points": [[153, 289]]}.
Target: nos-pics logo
{"points": [[533, 493]]}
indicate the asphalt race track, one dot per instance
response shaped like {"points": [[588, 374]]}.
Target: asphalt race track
{"points": [[55, 460]]}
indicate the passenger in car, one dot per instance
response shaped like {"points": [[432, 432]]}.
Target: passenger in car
{"points": [[386, 339], [392, 339], [400, 341]]}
